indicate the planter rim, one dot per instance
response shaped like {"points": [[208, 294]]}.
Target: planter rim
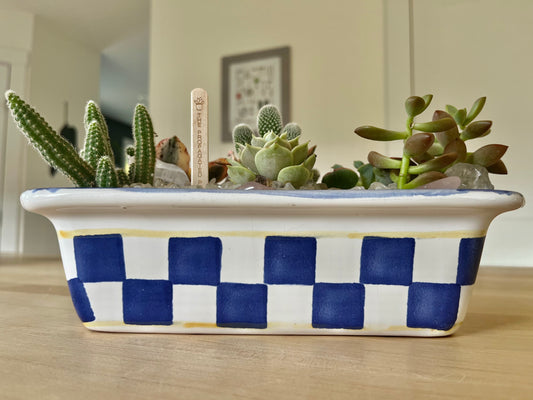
{"points": [[39, 200]]}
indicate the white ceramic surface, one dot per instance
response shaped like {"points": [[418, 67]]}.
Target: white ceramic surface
{"points": [[282, 262]]}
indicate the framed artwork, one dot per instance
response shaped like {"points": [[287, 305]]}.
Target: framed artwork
{"points": [[251, 80]]}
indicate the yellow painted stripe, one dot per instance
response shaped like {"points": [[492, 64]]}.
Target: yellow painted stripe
{"points": [[261, 234]]}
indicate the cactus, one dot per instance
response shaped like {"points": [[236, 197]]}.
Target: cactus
{"points": [[55, 150], [95, 146], [93, 113], [438, 145], [106, 175], [242, 134], [143, 133], [269, 120], [95, 166], [293, 130], [272, 156]]}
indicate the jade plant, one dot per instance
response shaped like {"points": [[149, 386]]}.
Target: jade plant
{"points": [[429, 148], [95, 165], [275, 154]]}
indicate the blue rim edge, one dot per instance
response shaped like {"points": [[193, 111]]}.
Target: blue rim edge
{"points": [[318, 194]]}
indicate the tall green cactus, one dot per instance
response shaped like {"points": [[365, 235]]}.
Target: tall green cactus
{"points": [[55, 150], [95, 144], [143, 133], [93, 113], [95, 166], [106, 175]]}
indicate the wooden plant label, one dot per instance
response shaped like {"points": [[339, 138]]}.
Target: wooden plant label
{"points": [[199, 138]]}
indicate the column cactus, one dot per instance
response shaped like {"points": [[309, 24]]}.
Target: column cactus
{"points": [[55, 150], [106, 175], [93, 113], [95, 166], [143, 133]]}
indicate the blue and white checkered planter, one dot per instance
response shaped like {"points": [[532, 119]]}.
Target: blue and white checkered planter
{"points": [[318, 262]]}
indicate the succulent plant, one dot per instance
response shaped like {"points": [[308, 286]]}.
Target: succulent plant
{"points": [[430, 148], [274, 155], [95, 165]]}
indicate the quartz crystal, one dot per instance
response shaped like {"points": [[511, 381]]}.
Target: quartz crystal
{"points": [[472, 176]]}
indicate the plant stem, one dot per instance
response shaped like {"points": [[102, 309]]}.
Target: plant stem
{"points": [[402, 180]]}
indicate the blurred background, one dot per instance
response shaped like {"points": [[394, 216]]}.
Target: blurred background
{"points": [[353, 62]]}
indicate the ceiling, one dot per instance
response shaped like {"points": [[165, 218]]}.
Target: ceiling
{"points": [[117, 28]]}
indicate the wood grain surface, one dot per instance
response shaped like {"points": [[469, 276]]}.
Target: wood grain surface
{"points": [[46, 353]]}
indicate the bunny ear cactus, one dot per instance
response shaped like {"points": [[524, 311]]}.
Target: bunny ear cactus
{"points": [[274, 155], [430, 148], [95, 166]]}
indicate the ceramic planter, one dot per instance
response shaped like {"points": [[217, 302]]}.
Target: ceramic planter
{"points": [[271, 262]]}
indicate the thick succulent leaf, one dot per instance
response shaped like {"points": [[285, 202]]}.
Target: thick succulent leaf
{"points": [[374, 133], [380, 161], [488, 155], [341, 178], [269, 136], [434, 164], [297, 175], [309, 162], [448, 135], [451, 109], [476, 129], [460, 117], [294, 142], [299, 153], [475, 110], [439, 125], [248, 157], [366, 175], [357, 164], [458, 147], [270, 160], [414, 105], [424, 179], [240, 175], [497, 168], [418, 144], [427, 100], [258, 141]]}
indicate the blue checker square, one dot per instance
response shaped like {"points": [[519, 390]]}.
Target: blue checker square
{"points": [[147, 302], [195, 261], [290, 260], [99, 258], [433, 305], [241, 305], [387, 261], [470, 251], [80, 300], [338, 305]]}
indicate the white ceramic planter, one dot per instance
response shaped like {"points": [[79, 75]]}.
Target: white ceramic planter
{"points": [[281, 262]]}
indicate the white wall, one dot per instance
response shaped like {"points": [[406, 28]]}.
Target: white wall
{"points": [[61, 70], [16, 34], [471, 48], [337, 65]]}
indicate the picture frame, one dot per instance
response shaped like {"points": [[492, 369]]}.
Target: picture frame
{"points": [[251, 80]]}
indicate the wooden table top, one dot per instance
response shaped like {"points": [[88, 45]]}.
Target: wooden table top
{"points": [[46, 353]]}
